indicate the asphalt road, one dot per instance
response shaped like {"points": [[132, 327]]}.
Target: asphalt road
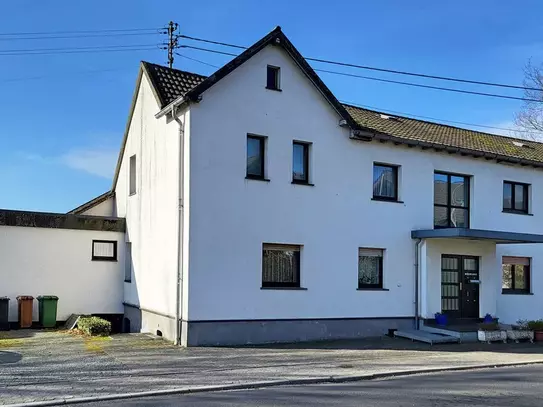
{"points": [[511, 387]]}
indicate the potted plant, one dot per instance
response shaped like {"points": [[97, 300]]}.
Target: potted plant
{"points": [[441, 319], [491, 332], [520, 331], [489, 318], [537, 327]]}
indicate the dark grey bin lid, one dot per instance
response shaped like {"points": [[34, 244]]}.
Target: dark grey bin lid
{"points": [[4, 298]]}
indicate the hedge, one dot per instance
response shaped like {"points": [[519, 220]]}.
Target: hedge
{"points": [[94, 326]]}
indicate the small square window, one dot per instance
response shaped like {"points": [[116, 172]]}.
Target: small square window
{"points": [[280, 265], [516, 275], [255, 157], [515, 197], [132, 181], [273, 78], [104, 250], [370, 268], [385, 182], [128, 263], [300, 162]]}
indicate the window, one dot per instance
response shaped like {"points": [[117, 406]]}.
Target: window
{"points": [[255, 157], [385, 182], [273, 77], [451, 201], [300, 163], [280, 265], [132, 190], [515, 275], [104, 250], [128, 263], [370, 268], [515, 197]]}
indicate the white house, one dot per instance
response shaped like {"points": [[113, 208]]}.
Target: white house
{"points": [[259, 208]]}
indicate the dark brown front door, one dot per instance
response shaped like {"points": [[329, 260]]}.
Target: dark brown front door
{"points": [[460, 286]]}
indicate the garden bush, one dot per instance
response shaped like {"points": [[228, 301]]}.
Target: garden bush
{"points": [[94, 326]]}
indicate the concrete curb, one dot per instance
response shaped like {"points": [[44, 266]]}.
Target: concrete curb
{"points": [[271, 383]]}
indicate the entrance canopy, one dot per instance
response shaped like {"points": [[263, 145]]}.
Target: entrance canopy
{"points": [[477, 234]]}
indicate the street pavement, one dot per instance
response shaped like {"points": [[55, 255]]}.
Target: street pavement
{"points": [[45, 365], [508, 387]]}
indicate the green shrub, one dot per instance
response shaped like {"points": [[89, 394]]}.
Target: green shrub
{"points": [[536, 325], [94, 326]]}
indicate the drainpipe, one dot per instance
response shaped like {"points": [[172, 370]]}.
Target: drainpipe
{"points": [[417, 279], [180, 203]]}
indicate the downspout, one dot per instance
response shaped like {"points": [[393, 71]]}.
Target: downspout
{"points": [[180, 203], [417, 280]]}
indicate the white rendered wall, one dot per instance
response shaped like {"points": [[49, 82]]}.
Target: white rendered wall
{"points": [[231, 217], [151, 214], [42, 261]]}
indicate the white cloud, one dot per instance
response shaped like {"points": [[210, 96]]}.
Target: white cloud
{"points": [[100, 162], [96, 161]]}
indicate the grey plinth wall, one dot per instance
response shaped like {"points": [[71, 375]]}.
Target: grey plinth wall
{"points": [[223, 333]]}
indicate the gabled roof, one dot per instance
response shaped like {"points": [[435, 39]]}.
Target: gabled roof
{"points": [[426, 134], [173, 86], [276, 38]]}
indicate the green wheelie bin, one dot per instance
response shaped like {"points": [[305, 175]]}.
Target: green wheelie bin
{"points": [[48, 310]]}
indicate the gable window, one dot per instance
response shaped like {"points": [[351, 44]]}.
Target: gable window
{"points": [[451, 200], [300, 162], [280, 266], [370, 268], [515, 275], [255, 156], [128, 263], [104, 250], [385, 182], [132, 170], [515, 197], [273, 78]]}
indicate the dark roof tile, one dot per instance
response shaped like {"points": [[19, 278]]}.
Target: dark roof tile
{"points": [[171, 83]]}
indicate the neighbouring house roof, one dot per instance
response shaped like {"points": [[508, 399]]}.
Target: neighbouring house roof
{"points": [[93, 202]]}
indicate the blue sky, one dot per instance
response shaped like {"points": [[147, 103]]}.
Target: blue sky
{"points": [[63, 116]]}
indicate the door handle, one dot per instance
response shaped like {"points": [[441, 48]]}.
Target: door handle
{"points": [[460, 286]]}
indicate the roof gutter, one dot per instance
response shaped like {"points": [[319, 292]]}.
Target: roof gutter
{"points": [[171, 107]]}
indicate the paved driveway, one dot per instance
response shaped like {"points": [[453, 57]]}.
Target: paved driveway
{"points": [[38, 365]]}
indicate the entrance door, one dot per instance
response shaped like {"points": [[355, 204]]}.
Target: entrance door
{"points": [[460, 286]]}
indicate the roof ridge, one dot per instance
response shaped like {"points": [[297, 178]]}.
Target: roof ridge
{"points": [[444, 124]]}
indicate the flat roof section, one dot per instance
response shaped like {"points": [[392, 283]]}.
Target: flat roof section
{"points": [[60, 221]]}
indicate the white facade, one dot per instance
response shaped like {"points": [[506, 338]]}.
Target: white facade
{"points": [[43, 261], [231, 217], [152, 213], [198, 225]]}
